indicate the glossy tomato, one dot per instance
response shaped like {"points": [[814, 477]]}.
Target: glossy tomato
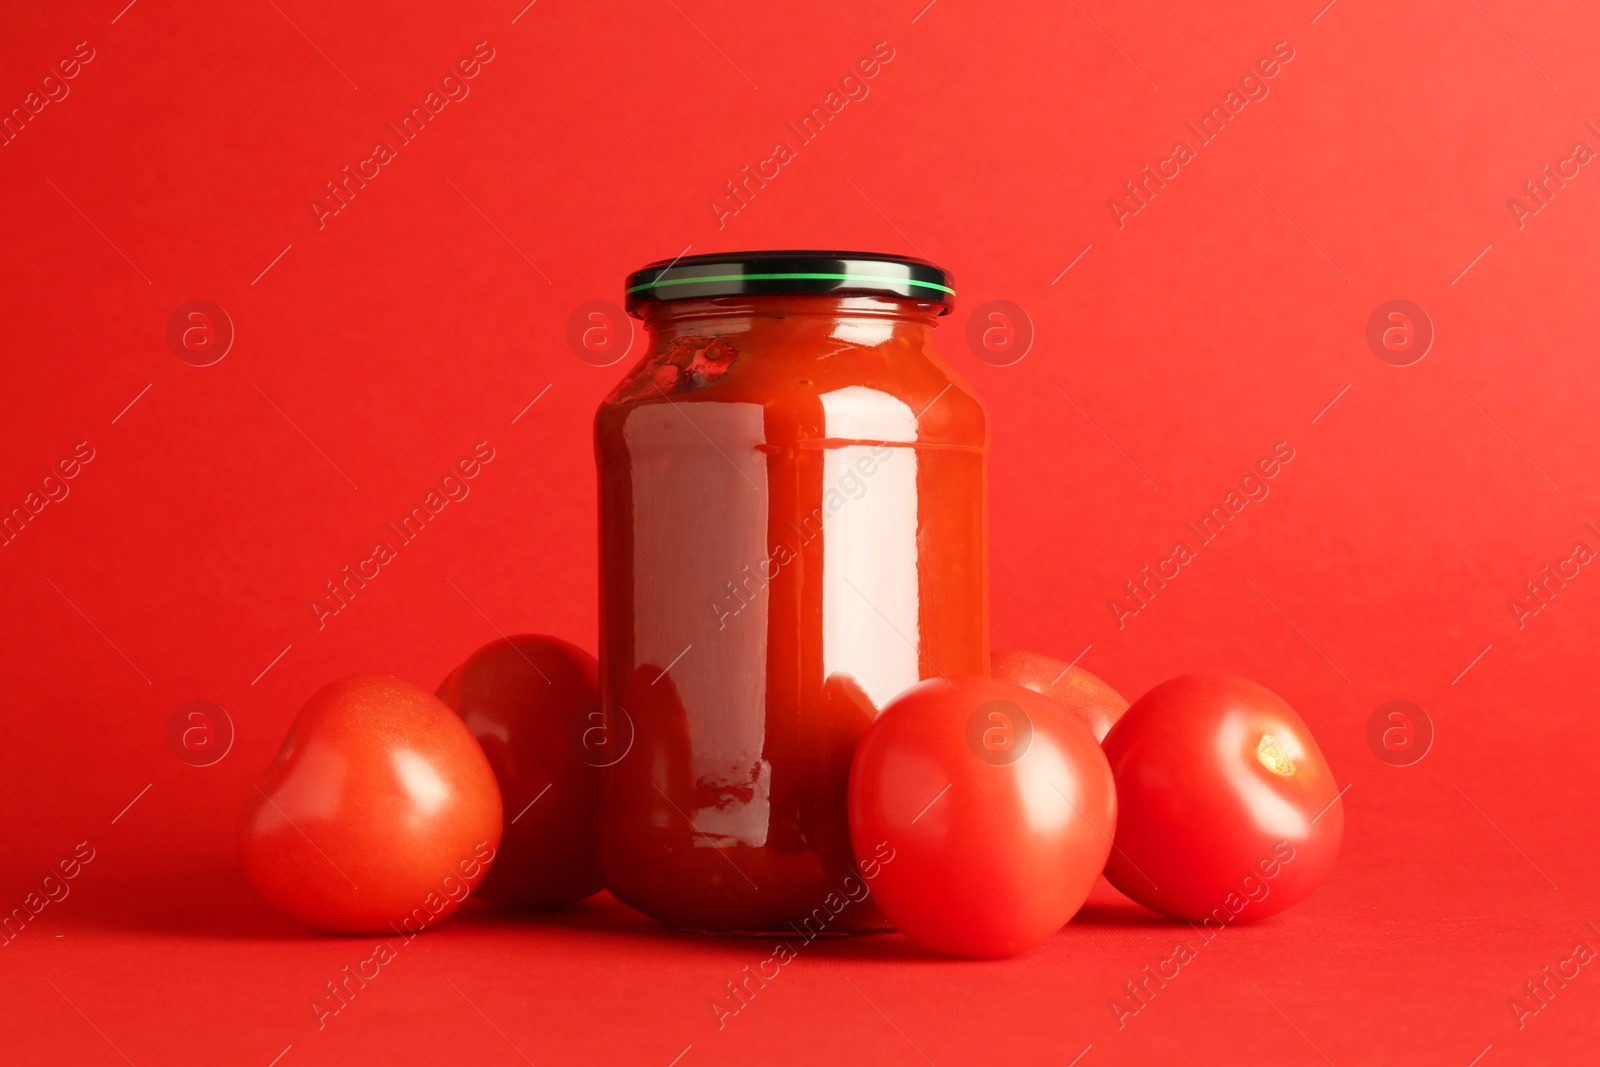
{"points": [[379, 815], [1227, 809], [1094, 702], [980, 814], [522, 697]]}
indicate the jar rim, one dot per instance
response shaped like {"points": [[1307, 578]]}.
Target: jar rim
{"points": [[789, 272]]}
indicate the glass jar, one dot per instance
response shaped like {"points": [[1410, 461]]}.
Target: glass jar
{"points": [[792, 532]]}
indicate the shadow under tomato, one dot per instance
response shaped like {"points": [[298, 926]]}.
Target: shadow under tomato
{"points": [[208, 897], [173, 897], [1108, 907], [1121, 916]]}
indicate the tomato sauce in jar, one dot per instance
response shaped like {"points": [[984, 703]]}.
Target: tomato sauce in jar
{"points": [[792, 532]]}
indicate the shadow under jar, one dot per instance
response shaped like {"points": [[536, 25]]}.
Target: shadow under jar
{"points": [[792, 531]]}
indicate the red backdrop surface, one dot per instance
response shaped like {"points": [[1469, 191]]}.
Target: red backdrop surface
{"points": [[1172, 346]]}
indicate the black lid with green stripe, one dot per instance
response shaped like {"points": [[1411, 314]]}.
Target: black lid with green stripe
{"points": [[788, 272]]}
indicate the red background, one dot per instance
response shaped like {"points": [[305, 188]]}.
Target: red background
{"points": [[1223, 318]]}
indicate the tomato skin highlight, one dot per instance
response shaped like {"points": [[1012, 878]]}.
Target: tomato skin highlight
{"points": [[519, 696], [1087, 696], [1229, 811], [993, 850], [380, 813]]}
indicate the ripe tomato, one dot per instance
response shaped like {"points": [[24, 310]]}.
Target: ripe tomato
{"points": [[980, 814], [379, 814], [1086, 696], [522, 697], [1228, 810]]}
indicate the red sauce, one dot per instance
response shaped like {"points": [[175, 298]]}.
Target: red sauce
{"points": [[792, 531]]}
